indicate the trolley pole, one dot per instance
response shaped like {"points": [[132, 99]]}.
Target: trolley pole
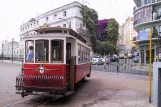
{"points": [[150, 68]]}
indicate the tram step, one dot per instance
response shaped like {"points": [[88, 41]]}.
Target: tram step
{"points": [[68, 93]]}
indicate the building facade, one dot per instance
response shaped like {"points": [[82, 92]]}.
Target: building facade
{"points": [[147, 14], [126, 34], [68, 16], [10, 49]]}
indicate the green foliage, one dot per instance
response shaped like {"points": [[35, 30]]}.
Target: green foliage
{"points": [[94, 43], [155, 33], [112, 31], [90, 19], [105, 48]]}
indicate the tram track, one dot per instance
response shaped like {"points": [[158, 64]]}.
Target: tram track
{"points": [[20, 102], [40, 99]]}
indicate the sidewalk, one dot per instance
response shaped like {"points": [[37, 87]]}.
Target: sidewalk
{"points": [[10, 61]]}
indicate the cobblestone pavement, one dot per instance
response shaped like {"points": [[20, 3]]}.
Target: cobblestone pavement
{"points": [[102, 89]]}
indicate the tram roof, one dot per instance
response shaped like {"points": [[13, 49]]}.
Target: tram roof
{"points": [[71, 32]]}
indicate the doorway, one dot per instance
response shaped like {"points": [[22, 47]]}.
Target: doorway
{"points": [[68, 56]]}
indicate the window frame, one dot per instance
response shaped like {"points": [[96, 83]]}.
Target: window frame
{"points": [[47, 50], [62, 51], [64, 13], [26, 51]]}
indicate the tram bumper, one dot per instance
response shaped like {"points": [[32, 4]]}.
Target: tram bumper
{"points": [[26, 85]]}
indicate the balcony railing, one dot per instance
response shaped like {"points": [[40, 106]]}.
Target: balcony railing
{"points": [[82, 32], [143, 20]]}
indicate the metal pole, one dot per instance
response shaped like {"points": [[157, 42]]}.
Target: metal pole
{"points": [[2, 52], [12, 50], [105, 64], [150, 69]]}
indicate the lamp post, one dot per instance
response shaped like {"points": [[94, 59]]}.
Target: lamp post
{"points": [[67, 22]]}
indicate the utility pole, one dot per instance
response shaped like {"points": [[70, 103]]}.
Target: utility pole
{"points": [[150, 68]]}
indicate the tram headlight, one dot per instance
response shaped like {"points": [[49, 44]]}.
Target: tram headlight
{"points": [[41, 69]]}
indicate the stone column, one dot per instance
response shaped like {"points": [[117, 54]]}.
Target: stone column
{"points": [[145, 56]]}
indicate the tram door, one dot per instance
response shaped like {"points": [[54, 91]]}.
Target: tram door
{"points": [[68, 56]]}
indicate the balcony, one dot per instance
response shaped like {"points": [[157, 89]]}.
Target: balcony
{"points": [[144, 36], [143, 20], [82, 32]]}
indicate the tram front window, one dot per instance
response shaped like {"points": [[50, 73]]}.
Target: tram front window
{"points": [[57, 50], [29, 48], [42, 51]]}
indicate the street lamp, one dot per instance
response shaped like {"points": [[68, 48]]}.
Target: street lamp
{"points": [[12, 47], [67, 22]]}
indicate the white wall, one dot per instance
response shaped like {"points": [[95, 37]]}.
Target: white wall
{"points": [[156, 65], [73, 13]]}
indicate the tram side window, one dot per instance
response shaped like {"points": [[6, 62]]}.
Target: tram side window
{"points": [[79, 53], [57, 50], [42, 51], [29, 51]]}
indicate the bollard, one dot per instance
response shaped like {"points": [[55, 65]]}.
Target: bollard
{"points": [[105, 64]]}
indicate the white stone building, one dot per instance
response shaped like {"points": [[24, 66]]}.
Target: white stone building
{"points": [[69, 15], [11, 48]]}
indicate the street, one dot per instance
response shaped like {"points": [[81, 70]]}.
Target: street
{"points": [[102, 89]]}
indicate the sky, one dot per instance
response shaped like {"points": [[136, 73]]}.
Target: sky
{"points": [[15, 12]]}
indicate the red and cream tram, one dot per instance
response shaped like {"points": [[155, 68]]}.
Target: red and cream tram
{"points": [[55, 60]]}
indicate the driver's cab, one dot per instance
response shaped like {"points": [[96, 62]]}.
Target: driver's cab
{"points": [[53, 46], [45, 51]]}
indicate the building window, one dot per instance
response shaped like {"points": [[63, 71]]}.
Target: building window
{"points": [[140, 30], [64, 25], [160, 30], [149, 1], [47, 19], [145, 2], [81, 12], [146, 29], [81, 25], [64, 13], [55, 16]]}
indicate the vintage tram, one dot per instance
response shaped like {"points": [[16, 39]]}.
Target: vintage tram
{"points": [[55, 60]]}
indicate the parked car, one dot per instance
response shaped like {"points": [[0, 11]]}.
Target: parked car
{"points": [[97, 61], [108, 60], [121, 56], [113, 58]]}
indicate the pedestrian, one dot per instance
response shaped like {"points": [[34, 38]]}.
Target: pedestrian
{"points": [[30, 54]]}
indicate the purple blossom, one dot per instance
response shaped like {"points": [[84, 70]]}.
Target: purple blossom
{"points": [[102, 25]]}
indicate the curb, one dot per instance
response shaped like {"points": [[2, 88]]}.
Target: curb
{"points": [[9, 61]]}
